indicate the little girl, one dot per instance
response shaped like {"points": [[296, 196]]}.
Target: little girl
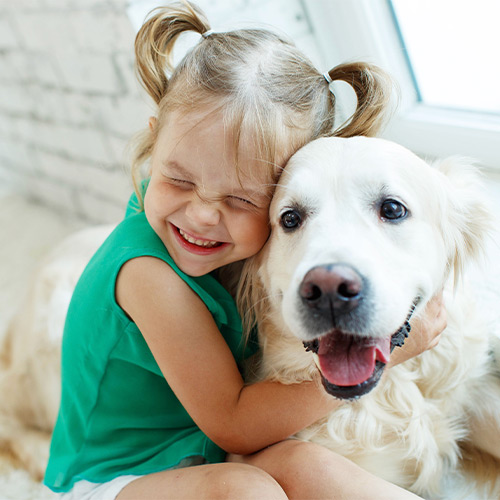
{"points": [[153, 401]]}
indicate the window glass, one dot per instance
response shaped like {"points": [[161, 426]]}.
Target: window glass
{"points": [[453, 49]]}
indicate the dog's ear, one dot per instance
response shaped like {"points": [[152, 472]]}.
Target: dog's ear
{"points": [[466, 220]]}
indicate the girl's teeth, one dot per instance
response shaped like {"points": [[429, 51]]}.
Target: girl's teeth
{"points": [[200, 243]]}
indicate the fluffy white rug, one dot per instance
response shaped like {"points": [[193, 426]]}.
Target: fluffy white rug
{"points": [[16, 484]]}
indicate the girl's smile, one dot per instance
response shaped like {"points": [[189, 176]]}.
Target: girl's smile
{"points": [[197, 245]]}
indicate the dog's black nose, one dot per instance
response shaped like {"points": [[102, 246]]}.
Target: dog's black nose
{"points": [[334, 288]]}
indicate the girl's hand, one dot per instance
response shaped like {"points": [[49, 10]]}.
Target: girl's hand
{"points": [[425, 331]]}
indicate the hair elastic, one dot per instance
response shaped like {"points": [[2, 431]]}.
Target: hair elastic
{"points": [[327, 77], [207, 33]]}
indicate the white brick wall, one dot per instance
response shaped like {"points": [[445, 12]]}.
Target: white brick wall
{"points": [[69, 100]]}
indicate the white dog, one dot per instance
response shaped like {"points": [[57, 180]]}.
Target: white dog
{"points": [[364, 233]]}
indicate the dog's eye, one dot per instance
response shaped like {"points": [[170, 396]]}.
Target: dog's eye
{"points": [[392, 210], [290, 219]]}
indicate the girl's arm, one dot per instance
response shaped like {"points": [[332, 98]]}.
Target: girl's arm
{"points": [[200, 369]]}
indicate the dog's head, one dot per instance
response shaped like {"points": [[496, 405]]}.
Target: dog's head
{"points": [[363, 233]]}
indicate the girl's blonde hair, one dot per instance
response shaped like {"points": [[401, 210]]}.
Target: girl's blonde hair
{"points": [[260, 82]]}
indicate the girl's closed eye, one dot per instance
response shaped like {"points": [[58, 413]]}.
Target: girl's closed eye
{"points": [[238, 202], [182, 183]]}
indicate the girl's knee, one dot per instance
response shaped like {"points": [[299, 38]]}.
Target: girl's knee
{"points": [[243, 482], [212, 481], [304, 461], [303, 453]]}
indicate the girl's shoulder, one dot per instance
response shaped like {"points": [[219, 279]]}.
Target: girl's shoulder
{"points": [[147, 283]]}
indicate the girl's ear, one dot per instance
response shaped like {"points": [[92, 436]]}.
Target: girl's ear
{"points": [[152, 123]]}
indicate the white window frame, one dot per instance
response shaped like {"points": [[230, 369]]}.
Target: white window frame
{"points": [[365, 30]]}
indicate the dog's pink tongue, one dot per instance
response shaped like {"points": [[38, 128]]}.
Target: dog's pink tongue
{"points": [[345, 360]]}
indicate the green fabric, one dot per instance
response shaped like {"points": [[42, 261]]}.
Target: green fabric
{"points": [[118, 415], [133, 205]]}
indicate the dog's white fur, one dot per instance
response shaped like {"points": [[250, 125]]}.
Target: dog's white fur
{"points": [[408, 430]]}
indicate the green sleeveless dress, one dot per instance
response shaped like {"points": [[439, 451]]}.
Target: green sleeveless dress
{"points": [[118, 414]]}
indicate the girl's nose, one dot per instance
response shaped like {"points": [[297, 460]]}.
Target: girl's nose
{"points": [[203, 213]]}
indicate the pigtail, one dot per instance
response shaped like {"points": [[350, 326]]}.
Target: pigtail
{"points": [[155, 42], [372, 87], [154, 45]]}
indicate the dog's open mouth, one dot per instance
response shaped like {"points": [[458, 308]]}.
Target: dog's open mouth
{"points": [[350, 366], [346, 360]]}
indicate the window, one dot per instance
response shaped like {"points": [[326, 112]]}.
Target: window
{"points": [[441, 53], [452, 52]]}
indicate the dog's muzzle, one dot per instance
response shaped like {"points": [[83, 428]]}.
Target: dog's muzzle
{"points": [[350, 365]]}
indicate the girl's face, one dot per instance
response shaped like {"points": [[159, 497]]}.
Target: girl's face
{"points": [[206, 215]]}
